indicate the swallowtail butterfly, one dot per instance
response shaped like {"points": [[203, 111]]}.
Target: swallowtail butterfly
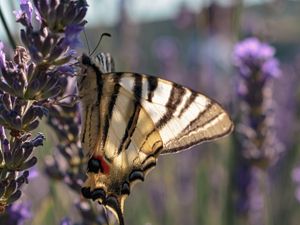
{"points": [[129, 119]]}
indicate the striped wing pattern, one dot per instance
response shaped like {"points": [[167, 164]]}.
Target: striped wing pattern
{"points": [[182, 117], [129, 119]]}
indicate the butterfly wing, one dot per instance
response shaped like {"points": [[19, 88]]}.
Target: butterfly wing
{"points": [[183, 117]]}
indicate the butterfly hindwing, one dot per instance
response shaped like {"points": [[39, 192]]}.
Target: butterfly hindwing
{"points": [[131, 147]]}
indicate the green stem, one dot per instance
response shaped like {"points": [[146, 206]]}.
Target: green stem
{"points": [[9, 35]]}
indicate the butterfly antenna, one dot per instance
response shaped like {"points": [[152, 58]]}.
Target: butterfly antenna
{"points": [[102, 35], [86, 40]]}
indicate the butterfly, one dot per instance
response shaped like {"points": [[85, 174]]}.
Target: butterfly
{"points": [[129, 119]]}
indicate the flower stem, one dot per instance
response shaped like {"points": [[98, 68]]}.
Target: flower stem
{"points": [[9, 35]]}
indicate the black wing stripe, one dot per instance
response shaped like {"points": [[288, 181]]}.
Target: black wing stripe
{"points": [[131, 125], [85, 127], [110, 109], [152, 85], [201, 113], [90, 123], [190, 100], [99, 86], [176, 95]]}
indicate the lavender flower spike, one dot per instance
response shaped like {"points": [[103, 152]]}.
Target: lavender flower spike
{"points": [[259, 146], [257, 65], [31, 81]]}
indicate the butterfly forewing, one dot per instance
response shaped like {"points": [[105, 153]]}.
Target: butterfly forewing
{"points": [[129, 119], [183, 117]]}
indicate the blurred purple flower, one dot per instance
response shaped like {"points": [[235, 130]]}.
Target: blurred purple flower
{"points": [[33, 173], [296, 179], [251, 55], [259, 147], [256, 66], [66, 221], [16, 214], [296, 175]]}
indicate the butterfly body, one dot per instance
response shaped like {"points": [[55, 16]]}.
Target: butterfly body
{"points": [[129, 119]]}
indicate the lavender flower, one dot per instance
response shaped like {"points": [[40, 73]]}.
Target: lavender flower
{"points": [[259, 146], [257, 66], [30, 83]]}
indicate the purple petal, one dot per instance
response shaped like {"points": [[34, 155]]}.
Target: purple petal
{"points": [[72, 33], [252, 55], [24, 15], [38, 16], [2, 56], [18, 14], [271, 68], [26, 7]]}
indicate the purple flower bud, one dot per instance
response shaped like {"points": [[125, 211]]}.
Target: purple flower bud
{"points": [[2, 134], [24, 15], [38, 140], [5, 145]]}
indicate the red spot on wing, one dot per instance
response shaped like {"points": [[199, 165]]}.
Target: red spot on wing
{"points": [[104, 165]]}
